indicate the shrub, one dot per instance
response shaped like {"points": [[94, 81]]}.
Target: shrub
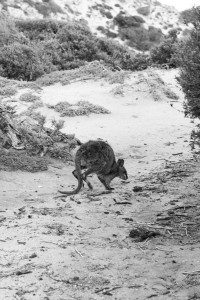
{"points": [[164, 53], [128, 21], [81, 108], [52, 45], [187, 16], [20, 62], [140, 62], [170, 94], [155, 34], [188, 57], [77, 43], [145, 10], [19, 160], [106, 13], [46, 8], [39, 29], [8, 91], [29, 97]]}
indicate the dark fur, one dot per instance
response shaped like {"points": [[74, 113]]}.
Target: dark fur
{"points": [[97, 157]]}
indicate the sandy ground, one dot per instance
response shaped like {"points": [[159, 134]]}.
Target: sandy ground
{"points": [[79, 247]]}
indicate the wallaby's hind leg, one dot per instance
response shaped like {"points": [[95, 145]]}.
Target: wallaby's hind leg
{"points": [[107, 186], [89, 184], [85, 179]]}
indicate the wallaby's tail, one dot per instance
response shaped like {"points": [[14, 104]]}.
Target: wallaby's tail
{"points": [[80, 180]]}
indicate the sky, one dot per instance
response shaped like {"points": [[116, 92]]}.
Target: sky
{"points": [[181, 4]]}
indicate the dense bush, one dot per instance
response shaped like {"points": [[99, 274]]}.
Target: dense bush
{"points": [[188, 58], [106, 13], [77, 43], [128, 21], [187, 16], [141, 38], [145, 10], [50, 45], [20, 61], [165, 51], [154, 34], [39, 29], [47, 7], [137, 36]]}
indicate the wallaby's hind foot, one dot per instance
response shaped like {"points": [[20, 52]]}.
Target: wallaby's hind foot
{"points": [[109, 188], [89, 185], [84, 177]]}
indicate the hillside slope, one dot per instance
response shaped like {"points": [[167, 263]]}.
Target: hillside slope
{"points": [[122, 20]]}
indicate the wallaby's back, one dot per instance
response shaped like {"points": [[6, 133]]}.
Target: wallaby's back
{"points": [[97, 155]]}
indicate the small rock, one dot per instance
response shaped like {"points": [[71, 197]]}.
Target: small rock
{"points": [[137, 189], [140, 234], [33, 255]]}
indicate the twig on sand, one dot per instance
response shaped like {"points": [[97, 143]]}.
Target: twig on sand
{"points": [[82, 79], [160, 249], [106, 290], [123, 202], [60, 196], [191, 273], [186, 231], [18, 225], [26, 269], [50, 243], [100, 193], [145, 242], [154, 225], [22, 272], [60, 280], [78, 252], [184, 206]]}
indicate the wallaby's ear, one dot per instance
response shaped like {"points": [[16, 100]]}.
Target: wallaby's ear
{"points": [[120, 162]]}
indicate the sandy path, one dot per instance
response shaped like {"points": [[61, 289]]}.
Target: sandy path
{"points": [[79, 247]]}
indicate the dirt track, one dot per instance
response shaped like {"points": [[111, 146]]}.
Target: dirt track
{"points": [[79, 247]]}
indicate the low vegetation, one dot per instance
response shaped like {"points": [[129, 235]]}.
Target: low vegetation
{"points": [[188, 58], [81, 108], [136, 35], [30, 49], [93, 70], [29, 97], [41, 144], [165, 52], [13, 160]]}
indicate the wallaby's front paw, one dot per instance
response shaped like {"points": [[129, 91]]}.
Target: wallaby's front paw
{"points": [[109, 188], [90, 186]]}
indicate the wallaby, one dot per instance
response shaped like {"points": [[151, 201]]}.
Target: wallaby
{"points": [[97, 157]]}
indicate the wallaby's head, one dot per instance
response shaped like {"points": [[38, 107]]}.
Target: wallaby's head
{"points": [[122, 173]]}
